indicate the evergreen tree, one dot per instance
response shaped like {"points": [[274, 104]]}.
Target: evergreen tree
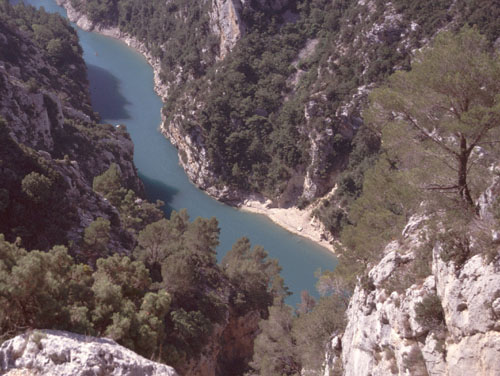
{"points": [[442, 116]]}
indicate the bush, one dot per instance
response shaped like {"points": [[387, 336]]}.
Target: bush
{"points": [[37, 187], [429, 312]]}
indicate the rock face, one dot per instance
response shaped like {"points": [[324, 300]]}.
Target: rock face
{"points": [[373, 39], [57, 353], [230, 348], [225, 21], [50, 128], [386, 334]]}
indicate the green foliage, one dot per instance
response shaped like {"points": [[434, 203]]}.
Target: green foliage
{"points": [[313, 329], [34, 288], [36, 204], [430, 120], [96, 236], [482, 14], [429, 312], [430, 16], [155, 242], [135, 213], [380, 213], [49, 30], [109, 184], [248, 108], [333, 211], [193, 327], [288, 344], [37, 187], [274, 346], [256, 277], [440, 113], [48, 290]]}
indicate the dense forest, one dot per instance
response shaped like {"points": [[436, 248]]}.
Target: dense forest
{"points": [[150, 283], [281, 113], [450, 93]]}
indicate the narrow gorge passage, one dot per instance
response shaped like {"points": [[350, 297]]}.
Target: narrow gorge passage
{"points": [[121, 84]]}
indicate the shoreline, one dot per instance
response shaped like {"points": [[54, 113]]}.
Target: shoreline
{"points": [[294, 220]]}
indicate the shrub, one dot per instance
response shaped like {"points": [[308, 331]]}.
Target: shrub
{"points": [[429, 312], [37, 187]]}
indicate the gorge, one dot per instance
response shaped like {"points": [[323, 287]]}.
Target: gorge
{"points": [[381, 119], [121, 84]]}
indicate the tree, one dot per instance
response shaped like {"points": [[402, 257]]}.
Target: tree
{"points": [[312, 330], [274, 347], [96, 235], [109, 185], [124, 308], [56, 49], [307, 303], [37, 187], [254, 275], [35, 288], [440, 117], [154, 242]]}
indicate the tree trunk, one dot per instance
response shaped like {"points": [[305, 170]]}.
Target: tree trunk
{"points": [[463, 159]]}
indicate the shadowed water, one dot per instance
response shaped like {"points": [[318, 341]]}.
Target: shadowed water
{"points": [[105, 88]]}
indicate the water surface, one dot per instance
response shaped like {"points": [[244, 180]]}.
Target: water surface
{"points": [[121, 86]]}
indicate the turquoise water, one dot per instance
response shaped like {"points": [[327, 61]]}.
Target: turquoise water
{"points": [[121, 85]]}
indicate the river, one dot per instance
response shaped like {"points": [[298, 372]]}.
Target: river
{"points": [[121, 86]]}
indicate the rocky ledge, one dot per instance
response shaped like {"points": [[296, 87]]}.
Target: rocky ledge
{"points": [[446, 324], [57, 353]]}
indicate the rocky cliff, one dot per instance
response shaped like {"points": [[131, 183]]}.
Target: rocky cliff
{"points": [[447, 323], [291, 136], [49, 130], [57, 353]]}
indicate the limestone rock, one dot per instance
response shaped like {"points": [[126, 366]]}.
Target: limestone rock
{"points": [[57, 353], [384, 335], [225, 21]]}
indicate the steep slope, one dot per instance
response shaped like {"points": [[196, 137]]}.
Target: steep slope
{"points": [[52, 146], [149, 283], [446, 324], [263, 99], [425, 229]]}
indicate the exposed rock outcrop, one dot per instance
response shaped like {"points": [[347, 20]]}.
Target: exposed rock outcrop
{"points": [[57, 353], [225, 21], [230, 348], [86, 24], [371, 39], [448, 324]]}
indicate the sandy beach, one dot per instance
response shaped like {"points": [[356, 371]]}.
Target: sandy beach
{"points": [[292, 219]]}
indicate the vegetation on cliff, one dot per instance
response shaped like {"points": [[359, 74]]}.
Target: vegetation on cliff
{"points": [[163, 301], [52, 145], [80, 249], [284, 105], [438, 125], [165, 296]]}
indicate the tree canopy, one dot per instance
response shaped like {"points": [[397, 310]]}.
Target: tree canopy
{"points": [[442, 118]]}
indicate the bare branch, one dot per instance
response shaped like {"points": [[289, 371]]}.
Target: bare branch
{"points": [[428, 136], [488, 142], [435, 187]]}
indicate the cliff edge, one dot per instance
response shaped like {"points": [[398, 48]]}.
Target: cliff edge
{"points": [[58, 353]]}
